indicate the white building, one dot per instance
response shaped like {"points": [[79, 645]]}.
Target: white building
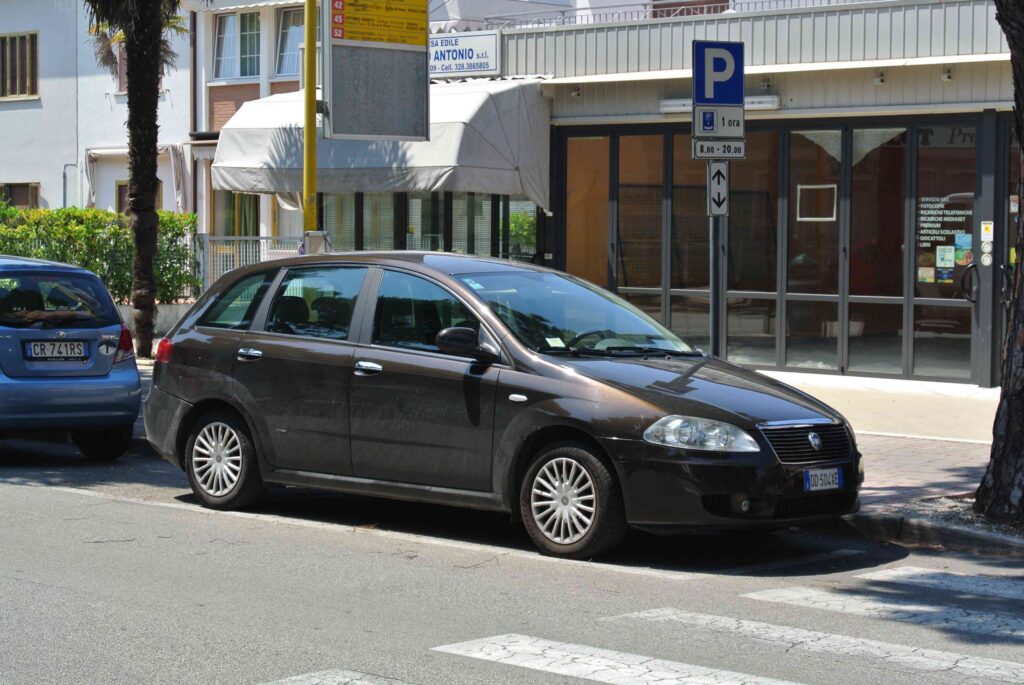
{"points": [[63, 140]]}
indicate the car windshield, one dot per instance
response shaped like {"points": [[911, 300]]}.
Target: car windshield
{"points": [[55, 300], [558, 314]]}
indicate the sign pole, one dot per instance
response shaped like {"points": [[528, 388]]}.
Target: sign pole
{"points": [[715, 226], [309, 132]]}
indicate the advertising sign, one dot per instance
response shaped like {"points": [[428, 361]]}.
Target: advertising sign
{"points": [[456, 55], [376, 80]]}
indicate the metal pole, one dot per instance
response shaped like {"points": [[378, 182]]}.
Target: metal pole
{"points": [[309, 125], [715, 227]]}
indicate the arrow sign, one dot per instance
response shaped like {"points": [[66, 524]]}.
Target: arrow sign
{"points": [[718, 188]]}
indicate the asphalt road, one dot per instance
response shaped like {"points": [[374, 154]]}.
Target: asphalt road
{"points": [[112, 573]]}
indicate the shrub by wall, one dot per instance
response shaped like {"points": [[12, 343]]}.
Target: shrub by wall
{"points": [[101, 242]]}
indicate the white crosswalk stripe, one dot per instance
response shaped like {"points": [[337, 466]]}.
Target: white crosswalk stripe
{"points": [[595, 664], [1007, 587], [338, 677], [950, 618], [900, 657]]}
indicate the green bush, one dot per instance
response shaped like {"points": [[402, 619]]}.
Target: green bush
{"points": [[101, 242]]}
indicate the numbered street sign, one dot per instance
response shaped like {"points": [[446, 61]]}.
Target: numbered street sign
{"points": [[719, 149], [718, 188]]}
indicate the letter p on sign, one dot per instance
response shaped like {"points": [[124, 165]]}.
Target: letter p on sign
{"points": [[717, 73]]}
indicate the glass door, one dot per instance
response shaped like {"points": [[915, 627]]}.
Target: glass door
{"points": [[638, 240], [690, 284]]}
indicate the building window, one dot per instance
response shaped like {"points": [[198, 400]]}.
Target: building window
{"points": [[237, 50], [236, 214], [19, 65], [122, 196], [20, 195], [289, 39]]}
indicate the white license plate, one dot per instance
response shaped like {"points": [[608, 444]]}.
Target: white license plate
{"points": [[56, 351], [823, 479]]}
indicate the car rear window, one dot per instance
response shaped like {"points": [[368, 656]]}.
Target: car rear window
{"points": [[236, 306], [55, 300]]}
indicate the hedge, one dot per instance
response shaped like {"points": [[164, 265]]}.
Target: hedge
{"points": [[102, 242]]}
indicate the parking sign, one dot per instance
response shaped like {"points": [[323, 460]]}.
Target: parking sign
{"points": [[717, 73]]}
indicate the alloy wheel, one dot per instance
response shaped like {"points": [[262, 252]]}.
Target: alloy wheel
{"points": [[217, 459], [563, 501]]}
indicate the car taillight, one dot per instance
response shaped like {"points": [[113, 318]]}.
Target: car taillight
{"points": [[163, 351], [125, 346]]}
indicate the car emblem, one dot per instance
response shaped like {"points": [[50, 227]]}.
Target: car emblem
{"points": [[815, 441], [62, 334]]}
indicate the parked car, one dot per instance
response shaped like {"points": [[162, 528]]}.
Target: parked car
{"points": [[67, 362], [487, 384]]}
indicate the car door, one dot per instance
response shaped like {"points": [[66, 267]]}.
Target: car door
{"points": [[420, 416], [293, 372]]}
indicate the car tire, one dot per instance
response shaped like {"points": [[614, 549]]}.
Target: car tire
{"points": [[220, 461], [106, 444], [571, 479]]}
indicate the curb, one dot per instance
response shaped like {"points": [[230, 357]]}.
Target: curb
{"points": [[918, 531]]}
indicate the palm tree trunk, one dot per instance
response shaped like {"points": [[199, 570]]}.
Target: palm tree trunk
{"points": [[1001, 493], [144, 63]]}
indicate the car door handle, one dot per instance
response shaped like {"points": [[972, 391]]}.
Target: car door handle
{"points": [[248, 354], [368, 368]]}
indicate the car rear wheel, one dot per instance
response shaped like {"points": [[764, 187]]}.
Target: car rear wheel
{"points": [[570, 503], [220, 461], [103, 445]]}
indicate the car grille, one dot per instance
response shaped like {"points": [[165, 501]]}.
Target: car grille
{"points": [[793, 445], [835, 503]]}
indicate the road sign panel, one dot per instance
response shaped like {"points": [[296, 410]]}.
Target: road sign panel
{"points": [[717, 73], [718, 188], [718, 122], [719, 149]]}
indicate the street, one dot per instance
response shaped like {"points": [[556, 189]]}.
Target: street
{"points": [[112, 573]]}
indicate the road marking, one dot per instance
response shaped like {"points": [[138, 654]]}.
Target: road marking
{"points": [[339, 678], [593, 663], [1007, 587], [813, 641], [374, 532], [952, 619]]}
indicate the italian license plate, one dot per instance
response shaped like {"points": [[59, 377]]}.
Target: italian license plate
{"points": [[56, 351], [823, 479]]}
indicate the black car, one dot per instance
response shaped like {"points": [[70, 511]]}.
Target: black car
{"points": [[486, 384]]}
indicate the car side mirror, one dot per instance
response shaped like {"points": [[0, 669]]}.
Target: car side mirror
{"points": [[465, 342]]}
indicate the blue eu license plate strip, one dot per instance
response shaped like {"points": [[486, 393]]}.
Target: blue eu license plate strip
{"points": [[823, 479]]}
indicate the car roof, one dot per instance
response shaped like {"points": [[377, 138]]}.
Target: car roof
{"points": [[438, 262], [30, 264]]}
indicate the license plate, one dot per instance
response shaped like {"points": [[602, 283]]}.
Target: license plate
{"points": [[55, 351], [823, 479]]}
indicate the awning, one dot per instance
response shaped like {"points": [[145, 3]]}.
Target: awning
{"points": [[486, 136]]}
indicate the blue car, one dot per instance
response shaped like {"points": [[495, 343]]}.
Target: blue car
{"points": [[67, 363]]}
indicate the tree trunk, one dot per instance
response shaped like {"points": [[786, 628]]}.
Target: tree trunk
{"points": [[1001, 493], [142, 45]]}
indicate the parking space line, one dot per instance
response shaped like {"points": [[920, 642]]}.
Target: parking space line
{"points": [[593, 663], [952, 619], [1007, 587], [893, 655]]}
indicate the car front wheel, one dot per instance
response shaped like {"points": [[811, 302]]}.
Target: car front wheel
{"points": [[220, 461], [570, 503]]}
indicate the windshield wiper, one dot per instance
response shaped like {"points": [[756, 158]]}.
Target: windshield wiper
{"points": [[647, 350]]}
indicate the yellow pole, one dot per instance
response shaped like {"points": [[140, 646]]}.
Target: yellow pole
{"points": [[309, 128]]}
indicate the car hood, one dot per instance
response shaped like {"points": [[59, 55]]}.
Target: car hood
{"points": [[705, 387]]}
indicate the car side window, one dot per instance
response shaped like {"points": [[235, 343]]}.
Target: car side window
{"points": [[236, 306], [317, 302], [411, 311]]}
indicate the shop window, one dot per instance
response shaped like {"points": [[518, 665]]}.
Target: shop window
{"points": [[753, 217], [690, 248], [812, 335], [236, 214], [522, 230], [19, 65], [638, 248], [878, 194], [426, 222], [290, 36], [288, 219], [876, 338], [751, 331], [237, 46], [121, 203], [20, 195], [814, 167], [339, 220], [378, 221], [586, 208]]}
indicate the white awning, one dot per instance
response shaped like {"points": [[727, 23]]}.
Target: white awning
{"points": [[487, 137], [230, 5]]}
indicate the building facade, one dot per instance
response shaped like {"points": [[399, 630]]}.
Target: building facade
{"points": [[62, 117]]}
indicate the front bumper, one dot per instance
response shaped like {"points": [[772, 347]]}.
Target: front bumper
{"points": [[164, 415], [670, 491], [71, 402]]}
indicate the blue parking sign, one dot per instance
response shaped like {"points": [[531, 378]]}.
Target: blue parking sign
{"points": [[717, 73], [707, 122]]}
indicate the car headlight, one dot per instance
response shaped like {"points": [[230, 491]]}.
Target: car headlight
{"points": [[692, 433]]}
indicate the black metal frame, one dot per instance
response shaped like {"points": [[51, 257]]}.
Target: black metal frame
{"points": [[991, 145]]}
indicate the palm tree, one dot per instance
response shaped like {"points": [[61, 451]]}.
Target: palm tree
{"points": [[142, 26], [1001, 494]]}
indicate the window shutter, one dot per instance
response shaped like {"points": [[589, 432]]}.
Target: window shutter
{"points": [[33, 63], [22, 87], [3, 67]]}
